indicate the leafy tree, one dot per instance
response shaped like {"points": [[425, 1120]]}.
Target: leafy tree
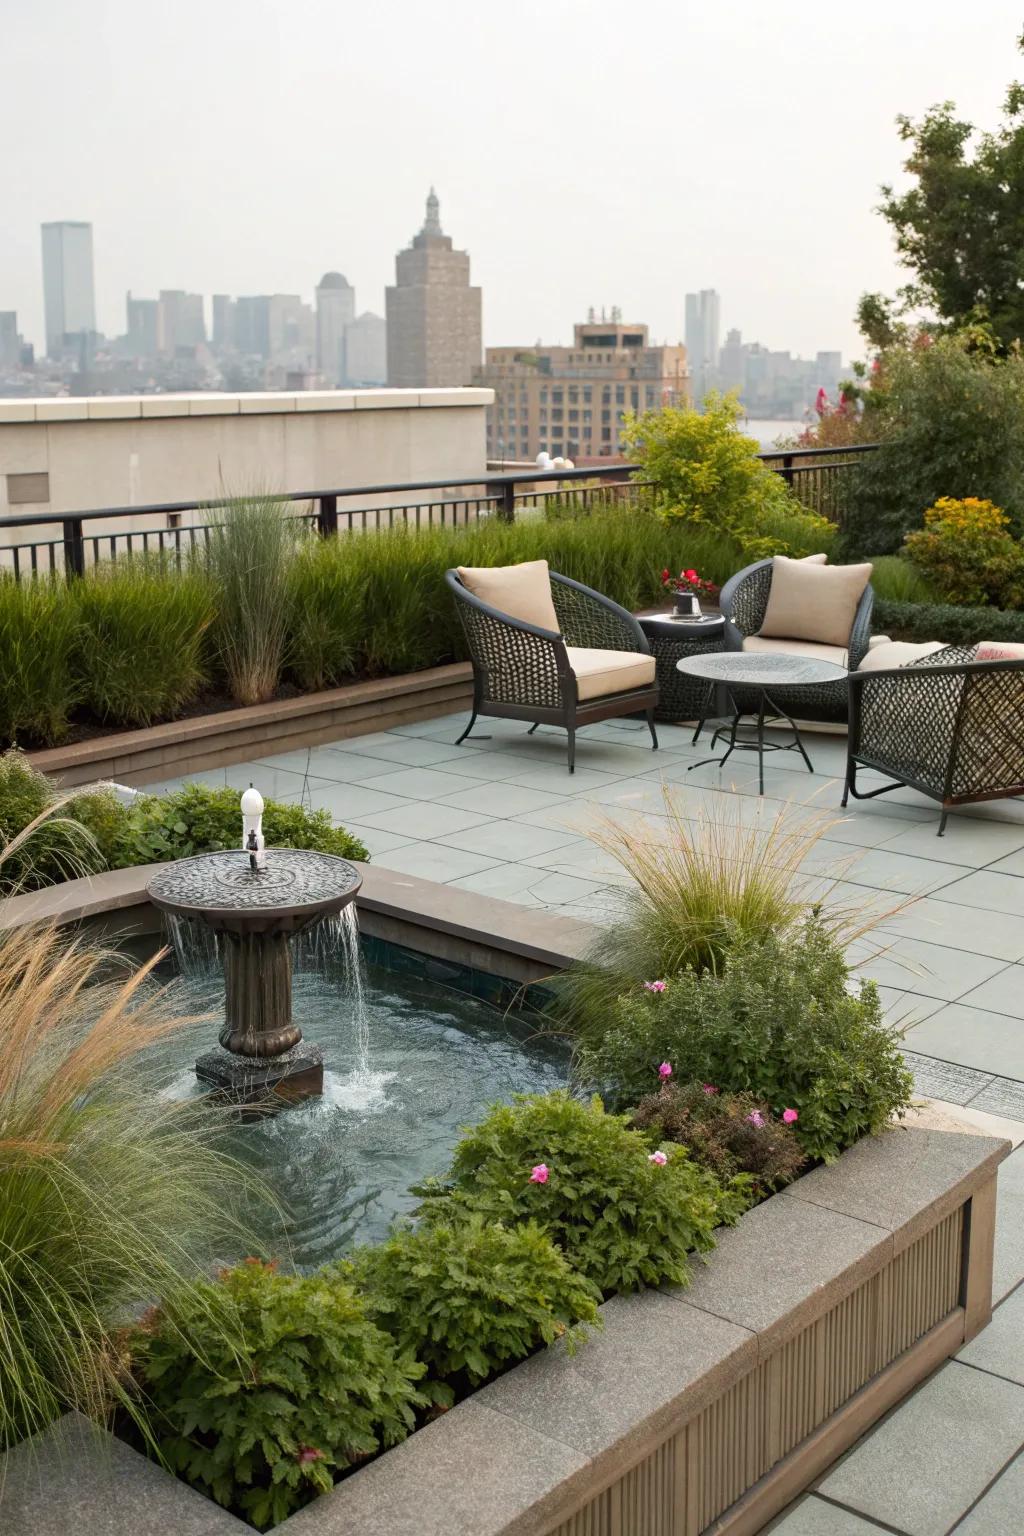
{"points": [[960, 226]]}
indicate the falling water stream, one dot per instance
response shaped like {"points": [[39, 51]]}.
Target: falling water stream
{"points": [[407, 1063]]}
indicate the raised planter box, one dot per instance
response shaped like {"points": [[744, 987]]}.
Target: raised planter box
{"points": [[699, 1411], [235, 735]]}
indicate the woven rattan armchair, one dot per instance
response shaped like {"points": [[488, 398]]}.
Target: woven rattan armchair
{"points": [[523, 672], [744, 602], [946, 725]]}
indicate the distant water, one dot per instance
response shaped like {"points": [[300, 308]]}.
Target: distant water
{"points": [[768, 433]]}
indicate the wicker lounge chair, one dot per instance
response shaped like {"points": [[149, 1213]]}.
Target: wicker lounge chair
{"points": [[948, 725], [590, 661], [744, 602]]}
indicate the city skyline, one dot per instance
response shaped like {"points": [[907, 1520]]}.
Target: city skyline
{"points": [[248, 148]]}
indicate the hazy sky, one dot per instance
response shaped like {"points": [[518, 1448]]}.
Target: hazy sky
{"points": [[584, 151]]}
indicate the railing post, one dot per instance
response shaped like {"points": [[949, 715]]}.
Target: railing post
{"points": [[74, 547], [787, 468], [507, 507], [327, 517]]}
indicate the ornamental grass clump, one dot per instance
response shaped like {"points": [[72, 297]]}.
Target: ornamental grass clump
{"points": [[729, 1133], [142, 637], [624, 1217], [468, 1297], [264, 1387], [38, 637], [779, 1021], [250, 546]]}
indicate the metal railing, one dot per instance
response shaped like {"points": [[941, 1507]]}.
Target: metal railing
{"points": [[91, 537]]}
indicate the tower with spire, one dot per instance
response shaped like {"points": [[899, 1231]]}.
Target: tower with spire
{"points": [[434, 327]]}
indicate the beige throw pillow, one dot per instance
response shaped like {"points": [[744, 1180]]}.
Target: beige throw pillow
{"points": [[813, 602], [522, 591]]}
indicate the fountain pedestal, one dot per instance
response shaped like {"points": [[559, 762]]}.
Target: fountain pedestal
{"points": [[255, 912]]}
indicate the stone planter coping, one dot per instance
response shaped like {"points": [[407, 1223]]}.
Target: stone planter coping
{"points": [[526, 1454]]}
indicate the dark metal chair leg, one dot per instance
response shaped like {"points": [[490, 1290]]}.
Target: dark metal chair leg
{"points": [[533, 727], [650, 727], [760, 745], [572, 749], [851, 781], [469, 727], [942, 824]]}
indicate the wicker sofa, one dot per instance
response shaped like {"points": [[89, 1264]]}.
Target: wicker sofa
{"points": [[589, 660], [744, 603], [947, 725]]}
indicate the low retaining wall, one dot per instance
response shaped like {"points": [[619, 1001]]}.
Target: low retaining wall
{"points": [[236, 735], [693, 1412]]}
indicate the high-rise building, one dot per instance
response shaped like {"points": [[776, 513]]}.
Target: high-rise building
{"points": [[366, 358], [335, 311], [703, 314], [143, 326], [10, 341], [182, 322], [570, 401], [434, 326], [223, 321], [68, 291]]}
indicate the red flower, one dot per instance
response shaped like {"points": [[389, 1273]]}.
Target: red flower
{"points": [[665, 577], [307, 1453], [689, 575]]}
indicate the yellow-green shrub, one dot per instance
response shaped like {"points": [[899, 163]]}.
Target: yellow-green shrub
{"points": [[967, 552]]}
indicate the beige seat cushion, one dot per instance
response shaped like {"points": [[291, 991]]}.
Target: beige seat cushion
{"points": [[599, 673], [522, 591], [813, 602], [809, 648], [898, 653]]}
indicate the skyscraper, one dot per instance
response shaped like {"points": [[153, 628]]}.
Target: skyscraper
{"points": [[366, 360], [143, 318], [703, 313], [335, 311], [68, 292], [434, 327]]}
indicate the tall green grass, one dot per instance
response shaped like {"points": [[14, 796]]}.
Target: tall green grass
{"points": [[38, 638], [895, 580], [142, 629], [251, 545]]}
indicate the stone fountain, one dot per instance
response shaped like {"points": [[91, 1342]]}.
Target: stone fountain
{"points": [[256, 900]]}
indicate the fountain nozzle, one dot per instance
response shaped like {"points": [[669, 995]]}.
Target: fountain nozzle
{"points": [[252, 829]]}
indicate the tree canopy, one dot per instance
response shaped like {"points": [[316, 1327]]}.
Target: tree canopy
{"points": [[960, 226]]}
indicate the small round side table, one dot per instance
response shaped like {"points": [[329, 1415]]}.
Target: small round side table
{"points": [[671, 641]]}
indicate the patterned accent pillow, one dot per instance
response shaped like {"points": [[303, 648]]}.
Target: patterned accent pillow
{"points": [[999, 650]]}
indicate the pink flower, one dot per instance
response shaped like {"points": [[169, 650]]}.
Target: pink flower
{"points": [[665, 1070], [708, 1088], [789, 1116], [756, 1118], [654, 986], [659, 1158], [307, 1453], [539, 1175]]}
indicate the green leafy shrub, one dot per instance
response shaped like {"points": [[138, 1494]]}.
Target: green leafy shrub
{"points": [[97, 831], [38, 636], [588, 1181], [947, 621], [967, 555], [267, 1385], [779, 1022], [470, 1296], [250, 547], [895, 580], [142, 627], [950, 422], [707, 472], [729, 1133]]}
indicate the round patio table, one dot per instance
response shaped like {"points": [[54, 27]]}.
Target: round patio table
{"points": [[761, 672]]}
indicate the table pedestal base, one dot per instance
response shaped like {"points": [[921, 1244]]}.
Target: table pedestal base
{"points": [[766, 710]]}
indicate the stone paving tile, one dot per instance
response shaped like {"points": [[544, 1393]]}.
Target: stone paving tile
{"points": [[432, 861], [878, 868], [377, 840], [999, 1348], [817, 1517], [966, 841], [557, 780], [924, 1467], [512, 840], [329, 763], [421, 783], [508, 882], [1009, 1257], [426, 820], [490, 766], [904, 1009], [1002, 993], [1002, 1096], [996, 934], [970, 1037], [357, 802], [576, 816], [499, 799], [989, 890], [1012, 864], [928, 969], [272, 783], [413, 751], [945, 1080], [998, 1512]]}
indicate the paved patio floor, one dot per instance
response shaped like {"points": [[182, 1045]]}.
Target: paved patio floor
{"points": [[501, 815]]}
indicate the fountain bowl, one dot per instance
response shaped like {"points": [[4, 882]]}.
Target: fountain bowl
{"points": [[254, 913]]}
